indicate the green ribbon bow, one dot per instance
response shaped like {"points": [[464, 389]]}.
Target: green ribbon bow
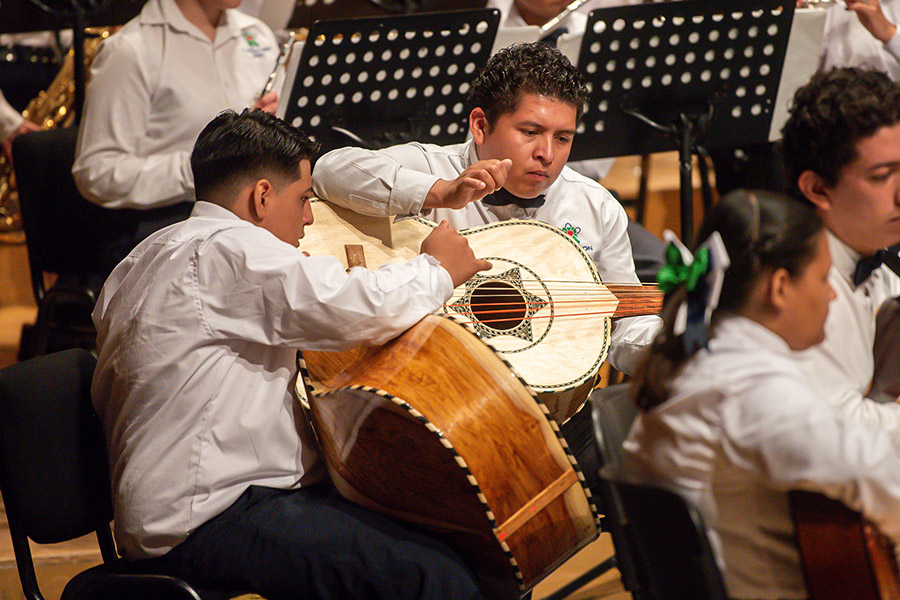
{"points": [[676, 273]]}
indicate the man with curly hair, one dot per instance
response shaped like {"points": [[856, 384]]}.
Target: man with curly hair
{"points": [[525, 106], [842, 153]]}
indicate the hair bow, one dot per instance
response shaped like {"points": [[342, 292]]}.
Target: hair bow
{"points": [[702, 275]]}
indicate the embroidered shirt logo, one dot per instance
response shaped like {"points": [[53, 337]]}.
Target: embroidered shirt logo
{"points": [[253, 47], [572, 231]]}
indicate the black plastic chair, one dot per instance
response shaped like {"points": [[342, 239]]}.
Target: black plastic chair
{"points": [[64, 234], [611, 420], [54, 479], [668, 536], [70, 238], [661, 543]]}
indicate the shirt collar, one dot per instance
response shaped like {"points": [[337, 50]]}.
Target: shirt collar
{"points": [[166, 12], [732, 329], [470, 152], [210, 210], [843, 257]]}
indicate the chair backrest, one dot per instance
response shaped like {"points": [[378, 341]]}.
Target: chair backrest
{"points": [[58, 221], [54, 475], [65, 233], [668, 535], [661, 545], [613, 413]]}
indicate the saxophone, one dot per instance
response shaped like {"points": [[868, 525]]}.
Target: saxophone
{"points": [[51, 108]]}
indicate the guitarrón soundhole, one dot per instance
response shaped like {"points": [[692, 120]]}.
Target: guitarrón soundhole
{"points": [[498, 305]]}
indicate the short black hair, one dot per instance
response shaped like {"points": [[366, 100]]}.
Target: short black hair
{"points": [[236, 147], [535, 68], [829, 115]]}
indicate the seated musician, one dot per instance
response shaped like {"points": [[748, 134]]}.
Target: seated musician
{"points": [[842, 154], [646, 248], [525, 106], [734, 425], [153, 86], [216, 475], [524, 109]]}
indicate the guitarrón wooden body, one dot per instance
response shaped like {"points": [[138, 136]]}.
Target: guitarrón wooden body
{"points": [[434, 428], [542, 305]]}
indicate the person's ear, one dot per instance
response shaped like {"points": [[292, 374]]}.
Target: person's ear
{"points": [[478, 125], [812, 186], [260, 195], [778, 293]]}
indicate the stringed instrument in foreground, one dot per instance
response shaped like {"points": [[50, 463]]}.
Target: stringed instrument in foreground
{"points": [[435, 429], [542, 306], [842, 554]]}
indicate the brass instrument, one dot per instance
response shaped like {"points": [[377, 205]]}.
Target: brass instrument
{"points": [[51, 108]]}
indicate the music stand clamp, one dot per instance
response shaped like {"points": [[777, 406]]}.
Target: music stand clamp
{"points": [[681, 76], [376, 82]]}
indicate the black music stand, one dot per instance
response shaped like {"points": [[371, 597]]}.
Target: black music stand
{"points": [[681, 75], [375, 82], [41, 15], [307, 12]]}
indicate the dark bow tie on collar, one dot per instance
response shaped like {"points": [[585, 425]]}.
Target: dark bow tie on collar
{"points": [[866, 265], [502, 197]]}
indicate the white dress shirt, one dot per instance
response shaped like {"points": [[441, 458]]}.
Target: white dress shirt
{"points": [[154, 85], [10, 118], [846, 43], [197, 331], [840, 369], [395, 181], [741, 428]]}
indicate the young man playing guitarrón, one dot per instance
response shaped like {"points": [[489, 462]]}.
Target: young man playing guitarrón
{"points": [[216, 475]]}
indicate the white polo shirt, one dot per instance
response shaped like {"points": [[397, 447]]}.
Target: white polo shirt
{"points": [[154, 85]]}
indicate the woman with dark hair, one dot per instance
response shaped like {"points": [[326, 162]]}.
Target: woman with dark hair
{"points": [[731, 423]]}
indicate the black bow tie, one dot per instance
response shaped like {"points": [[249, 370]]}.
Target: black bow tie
{"points": [[502, 197], [867, 264]]}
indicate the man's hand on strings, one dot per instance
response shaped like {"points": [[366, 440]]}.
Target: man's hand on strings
{"points": [[453, 252], [476, 182], [872, 18]]}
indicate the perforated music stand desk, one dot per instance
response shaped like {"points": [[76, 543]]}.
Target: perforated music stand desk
{"points": [[376, 82], [307, 12], [680, 75]]}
